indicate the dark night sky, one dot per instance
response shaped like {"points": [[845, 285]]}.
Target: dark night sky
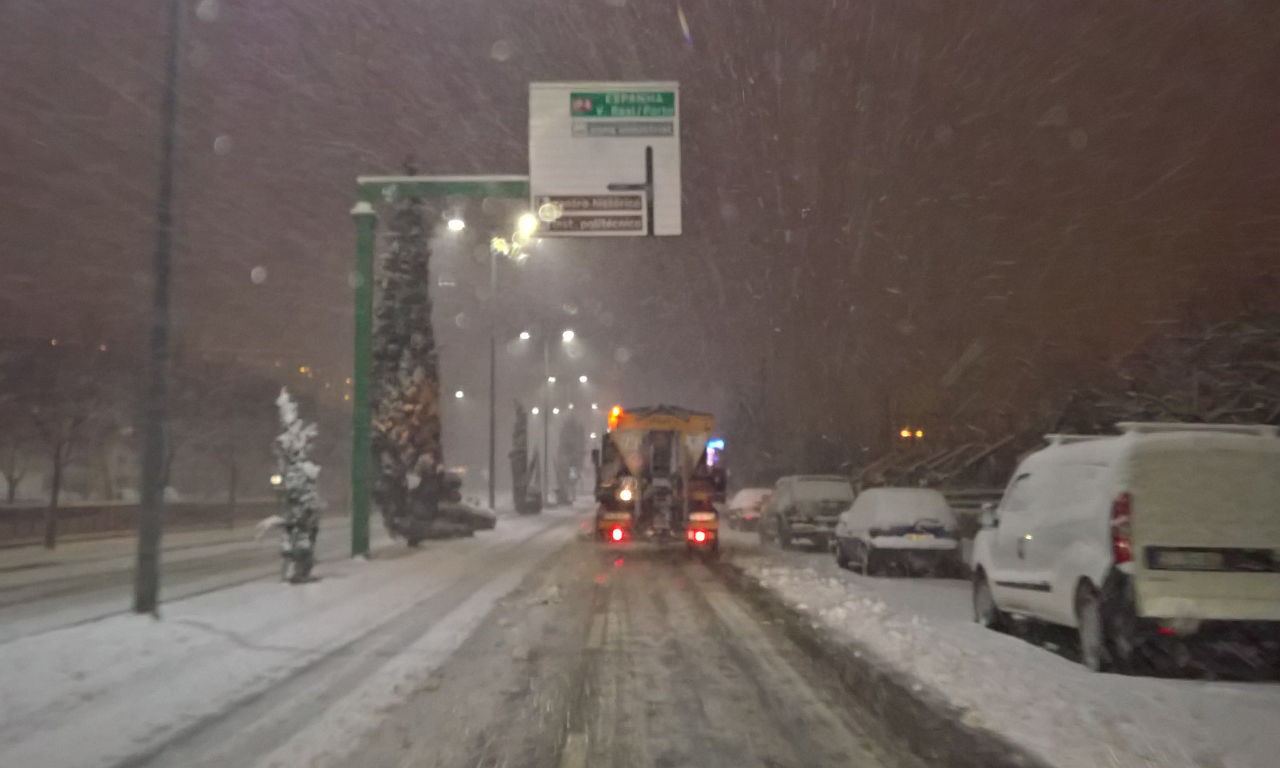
{"points": [[902, 207]]}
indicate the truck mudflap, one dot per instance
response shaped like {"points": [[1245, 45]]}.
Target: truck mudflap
{"points": [[703, 532], [614, 526]]}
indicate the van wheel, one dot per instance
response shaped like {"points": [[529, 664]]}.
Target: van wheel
{"points": [[985, 610], [842, 559], [1095, 654]]}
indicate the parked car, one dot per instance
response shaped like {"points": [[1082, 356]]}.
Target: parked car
{"points": [[912, 530], [805, 507], [1151, 544], [745, 508]]}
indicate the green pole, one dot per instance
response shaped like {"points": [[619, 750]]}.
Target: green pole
{"points": [[361, 419]]}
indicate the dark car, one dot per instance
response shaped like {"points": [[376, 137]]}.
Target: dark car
{"points": [[805, 507]]}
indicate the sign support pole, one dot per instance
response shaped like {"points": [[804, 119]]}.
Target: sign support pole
{"points": [[361, 417]]}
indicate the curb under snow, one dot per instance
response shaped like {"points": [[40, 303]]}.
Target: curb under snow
{"points": [[907, 713]]}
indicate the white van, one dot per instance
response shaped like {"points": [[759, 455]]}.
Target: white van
{"points": [[913, 529], [1147, 543]]}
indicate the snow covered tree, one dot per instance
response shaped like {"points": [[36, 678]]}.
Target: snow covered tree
{"points": [[408, 456], [301, 520], [1205, 372]]}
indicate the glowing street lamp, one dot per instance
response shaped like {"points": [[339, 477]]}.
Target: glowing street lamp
{"points": [[525, 335], [555, 411], [551, 379], [456, 224], [567, 335], [527, 225], [535, 411], [458, 394], [582, 379]]}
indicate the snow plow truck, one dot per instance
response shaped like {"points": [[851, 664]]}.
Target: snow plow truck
{"points": [[658, 478]]}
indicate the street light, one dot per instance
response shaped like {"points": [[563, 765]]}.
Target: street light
{"points": [[582, 379], [456, 224], [525, 335], [535, 411], [555, 411], [458, 394], [551, 379], [567, 335], [527, 225], [595, 406]]}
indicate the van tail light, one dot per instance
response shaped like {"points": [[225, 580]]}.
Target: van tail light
{"points": [[1122, 528]]}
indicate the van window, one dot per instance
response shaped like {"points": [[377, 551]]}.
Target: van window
{"points": [[1068, 489], [1018, 496]]}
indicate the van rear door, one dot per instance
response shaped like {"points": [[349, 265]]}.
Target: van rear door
{"points": [[1206, 526]]}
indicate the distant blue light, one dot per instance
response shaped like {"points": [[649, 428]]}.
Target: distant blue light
{"points": [[715, 445]]}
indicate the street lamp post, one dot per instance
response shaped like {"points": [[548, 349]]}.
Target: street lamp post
{"points": [[493, 376], [546, 414], [146, 587]]}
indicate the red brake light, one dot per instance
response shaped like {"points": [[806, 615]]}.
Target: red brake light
{"points": [[699, 536], [1122, 528], [616, 535]]}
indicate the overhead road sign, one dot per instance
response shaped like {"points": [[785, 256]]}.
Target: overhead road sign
{"points": [[596, 148]]}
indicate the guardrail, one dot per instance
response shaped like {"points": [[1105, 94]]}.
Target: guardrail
{"points": [[25, 524]]}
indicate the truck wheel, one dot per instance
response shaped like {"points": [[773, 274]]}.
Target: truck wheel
{"points": [[985, 610]]}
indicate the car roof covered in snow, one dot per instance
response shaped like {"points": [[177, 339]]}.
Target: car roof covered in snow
{"points": [[749, 497], [902, 506]]}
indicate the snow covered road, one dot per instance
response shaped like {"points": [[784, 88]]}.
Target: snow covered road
{"points": [[618, 657]]}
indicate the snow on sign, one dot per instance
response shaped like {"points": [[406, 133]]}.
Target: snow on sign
{"points": [[604, 158]]}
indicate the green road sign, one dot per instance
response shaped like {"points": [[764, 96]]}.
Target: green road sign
{"points": [[622, 104]]}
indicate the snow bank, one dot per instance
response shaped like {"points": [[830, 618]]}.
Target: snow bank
{"points": [[1049, 705]]}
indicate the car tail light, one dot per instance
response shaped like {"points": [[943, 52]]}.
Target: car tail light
{"points": [[1122, 528], [699, 536], [616, 535]]}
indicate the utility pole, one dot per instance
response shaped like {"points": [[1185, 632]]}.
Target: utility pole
{"points": [[146, 591]]}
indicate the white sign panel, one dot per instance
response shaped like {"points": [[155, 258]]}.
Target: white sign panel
{"points": [[604, 158]]}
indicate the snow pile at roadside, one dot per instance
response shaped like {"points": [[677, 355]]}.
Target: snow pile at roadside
{"points": [[1048, 704]]}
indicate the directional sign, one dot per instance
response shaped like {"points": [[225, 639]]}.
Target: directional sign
{"points": [[604, 158], [617, 214]]}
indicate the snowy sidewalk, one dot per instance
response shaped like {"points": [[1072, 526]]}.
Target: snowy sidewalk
{"points": [[1048, 704], [128, 687]]}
